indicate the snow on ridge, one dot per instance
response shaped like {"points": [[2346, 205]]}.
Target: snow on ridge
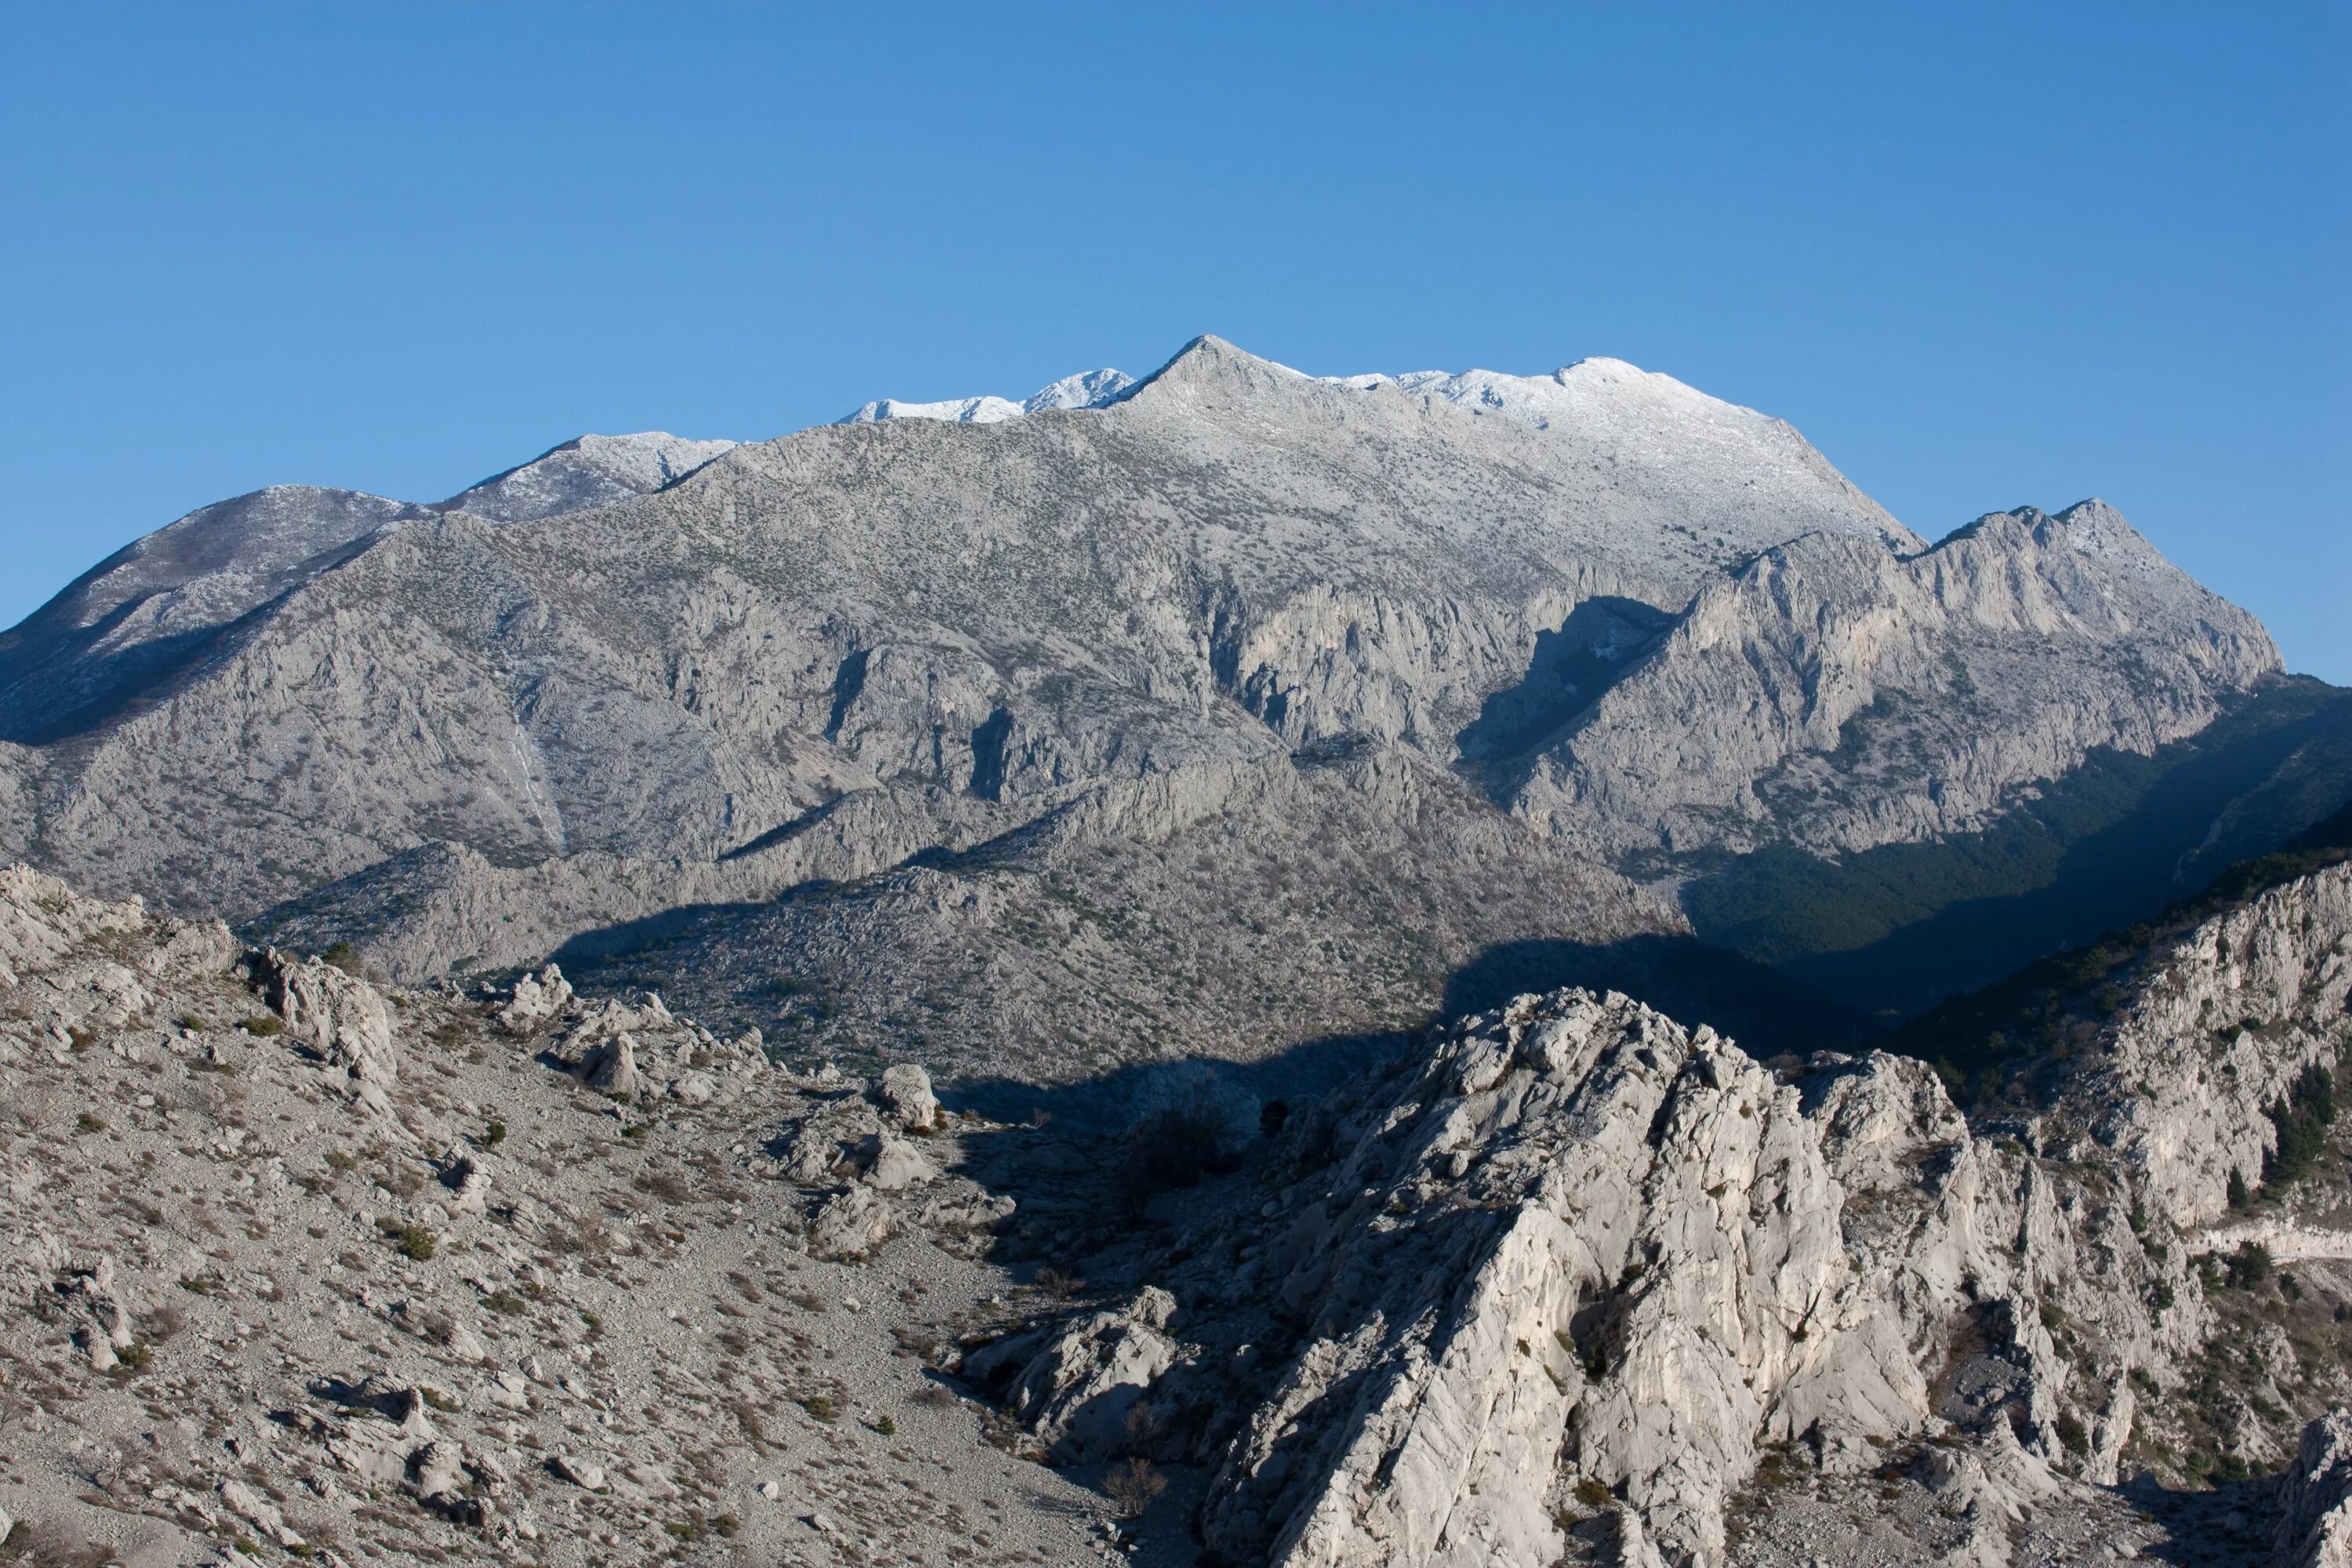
{"points": [[1581, 389], [1087, 389]]}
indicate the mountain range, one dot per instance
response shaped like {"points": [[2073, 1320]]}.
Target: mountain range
{"points": [[1169, 716], [1222, 968]]}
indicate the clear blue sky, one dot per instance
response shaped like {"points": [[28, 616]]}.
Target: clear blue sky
{"points": [[1982, 257]]}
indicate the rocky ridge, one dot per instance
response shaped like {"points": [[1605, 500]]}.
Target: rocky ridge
{"points": [[322, 1268], [1578, 1283]]}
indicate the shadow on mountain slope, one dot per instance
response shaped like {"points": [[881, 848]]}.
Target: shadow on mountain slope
{"points": [[1767, 1013], [1894, 930]]}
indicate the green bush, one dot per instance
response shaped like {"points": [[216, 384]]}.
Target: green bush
{"points": [[2301, 1122]]}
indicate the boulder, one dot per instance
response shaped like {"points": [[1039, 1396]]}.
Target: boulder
{"points": [[906, 1098], [897, 1165], [469, 1181], [339, 1015], [612, 1067], [535, 1002], [850, 1224]]}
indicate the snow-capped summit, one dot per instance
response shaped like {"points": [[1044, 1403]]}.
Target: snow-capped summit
{"points": [[1087, 389], [1573, 392]]}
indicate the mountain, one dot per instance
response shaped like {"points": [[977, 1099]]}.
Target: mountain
{"points": [[1529, 636], [1355, 914]]}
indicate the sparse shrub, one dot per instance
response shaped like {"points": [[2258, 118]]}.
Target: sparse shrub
{"points": [[506, 1303], [886, 1426], [1057, 1284], [262, 1026], [821, 1407], [343, 956], [1133, 1484], [85, 1122], [1592, 1493], [1174, 1149], [666, 1185], [2071, 1433], [191, 1023], [338, 1161], [416, 1243], [494, 1134]]}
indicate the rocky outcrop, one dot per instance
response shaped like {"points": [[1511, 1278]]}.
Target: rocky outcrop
{"points": [[1583, 1240], [1081, 1391], [1581, 1260], [2316, 1505], [339, 1015], [2217, 1031]]}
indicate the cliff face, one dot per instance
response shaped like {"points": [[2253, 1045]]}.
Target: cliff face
{"points": [[2217, 1032], [1844, 696], [1582, 1265]]}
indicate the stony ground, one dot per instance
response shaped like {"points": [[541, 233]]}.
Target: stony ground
{"points": [[248, 1311]]}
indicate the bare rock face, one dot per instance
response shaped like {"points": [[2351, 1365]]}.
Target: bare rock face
{"points": [[1579, 1260], [1846, 696], [1586, 1240], [2219, 1034], [341, 1016], [1081, 1390], [2315, 1523]]}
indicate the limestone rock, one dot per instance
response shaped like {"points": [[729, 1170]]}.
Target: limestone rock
{"points": [[340, 1015], [851, 1223], [2314, 1527], [1086, 1380], [897, 1165], [906, 1098], [611, 1067], [537, 1000], [586, 1474]]}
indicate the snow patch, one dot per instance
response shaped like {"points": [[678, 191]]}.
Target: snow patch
{"points": [[1087, 389]]}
